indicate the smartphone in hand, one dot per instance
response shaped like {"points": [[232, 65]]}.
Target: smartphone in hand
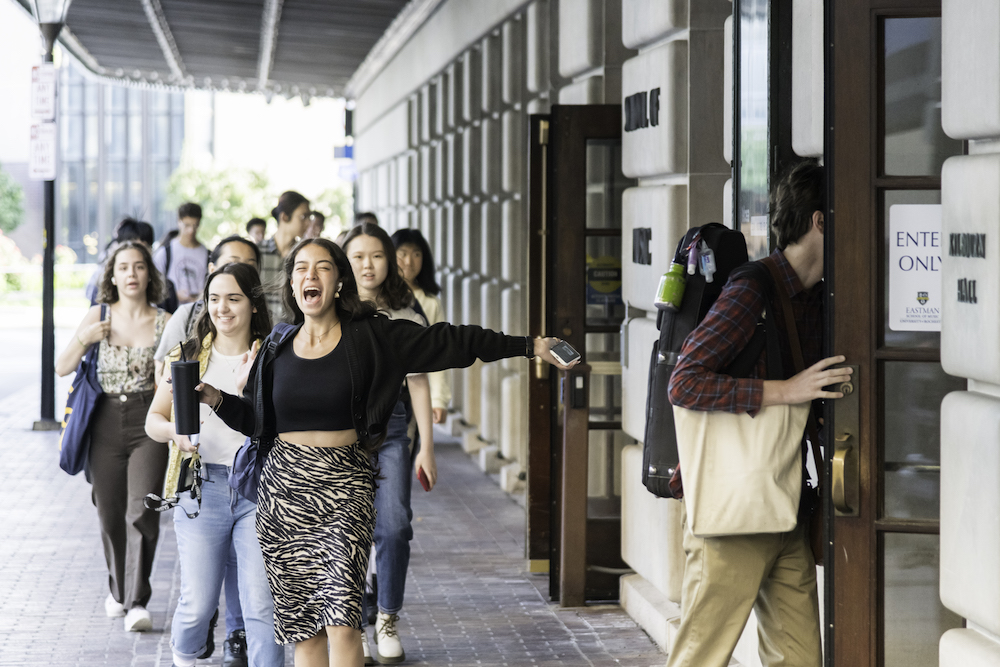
{"points": [[422, 478], [564, 353]]}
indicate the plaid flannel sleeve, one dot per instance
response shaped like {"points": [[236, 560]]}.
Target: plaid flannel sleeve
{"points": [[697, 383]]}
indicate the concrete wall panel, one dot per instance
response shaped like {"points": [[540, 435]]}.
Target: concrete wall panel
{"points": [[513, 321], [513, 150], [440, 231], [490, 156], [489, 403], [440, 169], [453, 233], [428, 110], [427, 169], [453, 77], [492, 72], [807, 77], [970, 62], [586, 91], [970, 484], [514, 262], [645, 21], [472, 84], [512, 36], [659, 148], [662, 210], [489, 257], [470, 141], [382, 186], [453, 158], [537, 46], [970, 204], [384, 140], [640, 333], [581, 38], [513, 443], [968, 648], [472, 237], [651, 530]]}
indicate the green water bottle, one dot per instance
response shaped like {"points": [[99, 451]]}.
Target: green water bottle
{"points": [[670, 293]]}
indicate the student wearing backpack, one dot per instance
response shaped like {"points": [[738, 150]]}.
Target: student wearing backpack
{"points": [[181, 328], [773, 573], [182, 259]]}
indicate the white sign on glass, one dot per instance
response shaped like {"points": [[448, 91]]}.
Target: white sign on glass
{"points": [[42, 152], [915, 267], [43, 92]]}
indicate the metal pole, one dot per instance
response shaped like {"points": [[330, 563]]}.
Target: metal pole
{"points": [[48, 422]]}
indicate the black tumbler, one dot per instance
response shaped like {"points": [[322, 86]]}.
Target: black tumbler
{"points": [[184, 377]]}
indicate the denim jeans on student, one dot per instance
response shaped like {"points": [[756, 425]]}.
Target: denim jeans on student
{"points": [[227, 520], [393, 529]]}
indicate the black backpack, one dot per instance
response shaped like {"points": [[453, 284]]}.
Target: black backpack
{"points": [[659, 455]]}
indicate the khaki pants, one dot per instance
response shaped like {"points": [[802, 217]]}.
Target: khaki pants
{"points": [[726, 577]]}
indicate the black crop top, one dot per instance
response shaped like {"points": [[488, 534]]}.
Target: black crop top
{"points": [[312, 394]]}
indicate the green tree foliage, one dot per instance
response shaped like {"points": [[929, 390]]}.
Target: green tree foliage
{"points": [[11, 203], [228, 198], [337, 204]]}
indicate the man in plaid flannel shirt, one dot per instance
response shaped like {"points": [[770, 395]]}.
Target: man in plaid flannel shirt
{"points": [[774, 574]]}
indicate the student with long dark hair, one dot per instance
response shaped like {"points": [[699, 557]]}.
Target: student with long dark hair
{"points": [[124, 463], [416, 266], [324, 388], [234, 318], [373, 259]]}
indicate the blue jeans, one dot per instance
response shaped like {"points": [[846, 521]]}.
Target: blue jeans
{"points": [[234, 613], [204, 544], [393, 528]]}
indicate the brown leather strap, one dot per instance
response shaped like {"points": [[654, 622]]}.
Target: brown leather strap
{"points": [[793, 341]]}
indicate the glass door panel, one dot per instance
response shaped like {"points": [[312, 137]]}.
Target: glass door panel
{"points": [[912, 449], [914, 143], [914, 618]]}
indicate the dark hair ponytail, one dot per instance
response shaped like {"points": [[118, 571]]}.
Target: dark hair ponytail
{"points": [[287, 203]]}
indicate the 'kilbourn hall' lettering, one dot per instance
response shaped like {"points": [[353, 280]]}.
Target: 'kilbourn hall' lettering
{"points": [[967, 245]]}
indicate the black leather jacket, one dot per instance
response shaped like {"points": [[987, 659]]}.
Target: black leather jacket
{"points": [[381, 353]]}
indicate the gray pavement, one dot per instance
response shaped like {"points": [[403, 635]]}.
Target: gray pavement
{"points": [[469, 600]]}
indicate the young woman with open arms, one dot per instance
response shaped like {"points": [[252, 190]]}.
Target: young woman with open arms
{"points": [[328, 385], [124, 463], [234, 317], [373, 258]]}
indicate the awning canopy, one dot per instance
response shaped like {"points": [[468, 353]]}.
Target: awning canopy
{"points": [[288, 47]]}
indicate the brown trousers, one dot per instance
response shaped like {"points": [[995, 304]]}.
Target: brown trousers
{"points": [[125, 465], [726, 577]]}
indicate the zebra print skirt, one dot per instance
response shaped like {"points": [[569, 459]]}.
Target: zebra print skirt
{"points": [[315, 518]]}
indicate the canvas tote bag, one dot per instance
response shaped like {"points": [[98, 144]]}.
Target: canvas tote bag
{"points": [[743, 474]]}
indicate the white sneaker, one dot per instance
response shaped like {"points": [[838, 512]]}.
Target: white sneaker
{"points": [[369, 660], [113, 608], [389, 649], [138, 620]]}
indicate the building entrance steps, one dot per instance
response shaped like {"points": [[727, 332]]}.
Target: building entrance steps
{"points": [[469, 599]]}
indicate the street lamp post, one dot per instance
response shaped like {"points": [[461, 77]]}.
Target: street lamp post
{"points": [[51, 15]]}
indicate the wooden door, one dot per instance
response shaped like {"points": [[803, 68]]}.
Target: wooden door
{"points": [[884, 149], [574, 255]]}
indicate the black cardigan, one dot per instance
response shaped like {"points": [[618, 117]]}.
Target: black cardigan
{"points": [[380, 353]]}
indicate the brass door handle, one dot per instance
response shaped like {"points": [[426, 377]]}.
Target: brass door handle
{"points": [[840, 472]]}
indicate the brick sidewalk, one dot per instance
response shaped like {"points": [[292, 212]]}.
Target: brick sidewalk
{"points": [[469, 600]]}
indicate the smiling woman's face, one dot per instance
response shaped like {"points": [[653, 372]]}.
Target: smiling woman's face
{"points": [[229, 308], [314, 280]]}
